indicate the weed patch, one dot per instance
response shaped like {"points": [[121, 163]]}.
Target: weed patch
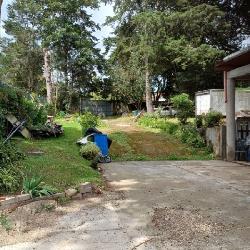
{"points": [[5, 222]]}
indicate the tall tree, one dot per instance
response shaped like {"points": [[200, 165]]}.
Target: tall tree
{"points": [[63, 34], [66, 29], [172, 39], [47, 75], [21, 54], [1, 3]]}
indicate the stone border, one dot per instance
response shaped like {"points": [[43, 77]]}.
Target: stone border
{"points": [[24, 199]]}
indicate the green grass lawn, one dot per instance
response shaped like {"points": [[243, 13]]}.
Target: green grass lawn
{"points": [[61, 164]]}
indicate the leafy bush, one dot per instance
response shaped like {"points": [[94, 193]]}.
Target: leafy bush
{"points": [[10, 169], [212, 119], [9, 155], [188, 134], [61, 114], [184, 107], [36, 187], [89, 151], [199, 121], [88, 120], [14, 101]]}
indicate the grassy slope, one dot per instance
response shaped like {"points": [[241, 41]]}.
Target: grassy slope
{"points": [[148, 144], [61, 163]]}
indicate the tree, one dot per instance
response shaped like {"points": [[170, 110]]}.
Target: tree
{"points": [[66, 30], [1, 2], [47, 75], [175, 40], [63, 34], [21, 55]]}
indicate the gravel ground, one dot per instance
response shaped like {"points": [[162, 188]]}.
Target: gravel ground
{"points": [[149, 205]]}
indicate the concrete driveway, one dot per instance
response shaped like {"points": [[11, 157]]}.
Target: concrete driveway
{"points": [[159, 205]]}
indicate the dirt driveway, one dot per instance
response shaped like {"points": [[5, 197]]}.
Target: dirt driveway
{"points": [[152, 205], [134, 142]]}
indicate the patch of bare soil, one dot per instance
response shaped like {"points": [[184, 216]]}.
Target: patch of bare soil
{"points": [[30, 221], [155, 145], [184, 226], [144, 142]]}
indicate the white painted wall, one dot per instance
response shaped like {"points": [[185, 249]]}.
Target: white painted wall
{"points": [[214, 99], [202, 104]]}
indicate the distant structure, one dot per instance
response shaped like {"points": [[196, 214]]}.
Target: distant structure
{"points": [[214, 100], [236, 67]]}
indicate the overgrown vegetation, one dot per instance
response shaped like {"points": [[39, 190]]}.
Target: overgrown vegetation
{"points": [[212, 118], [11, 173], [184, 107], [18, 103], [209, 120], [89, 151], [35, 186], [88, 120], [186, 133], [5, 222], [135, 143]]}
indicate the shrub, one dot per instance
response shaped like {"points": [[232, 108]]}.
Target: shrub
{"points": [[184, 107], [14, 101], [188, 134], [199, 121], [212, 119], [10, 170], [61, 114], [33, 114], [10, 179], [89, 151], [88, 120]]}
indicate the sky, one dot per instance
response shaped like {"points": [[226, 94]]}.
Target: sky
{"points": [[99, 16]]}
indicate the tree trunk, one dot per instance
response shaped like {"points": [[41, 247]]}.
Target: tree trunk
{"points": [[149, 103], [1, 2], [47, 75]]}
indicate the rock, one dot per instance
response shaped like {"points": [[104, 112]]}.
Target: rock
{"points": [[97, 190], [71, 192], [85, 188]]}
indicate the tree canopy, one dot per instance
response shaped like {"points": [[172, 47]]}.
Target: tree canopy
{"points": [[180, 40], [62, 30], [158, 48]]}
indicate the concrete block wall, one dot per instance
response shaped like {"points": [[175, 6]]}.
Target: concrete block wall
{"points": [[216, 137]]}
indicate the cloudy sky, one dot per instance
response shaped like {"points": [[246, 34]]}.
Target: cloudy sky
{"points": [[99, 16]]}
